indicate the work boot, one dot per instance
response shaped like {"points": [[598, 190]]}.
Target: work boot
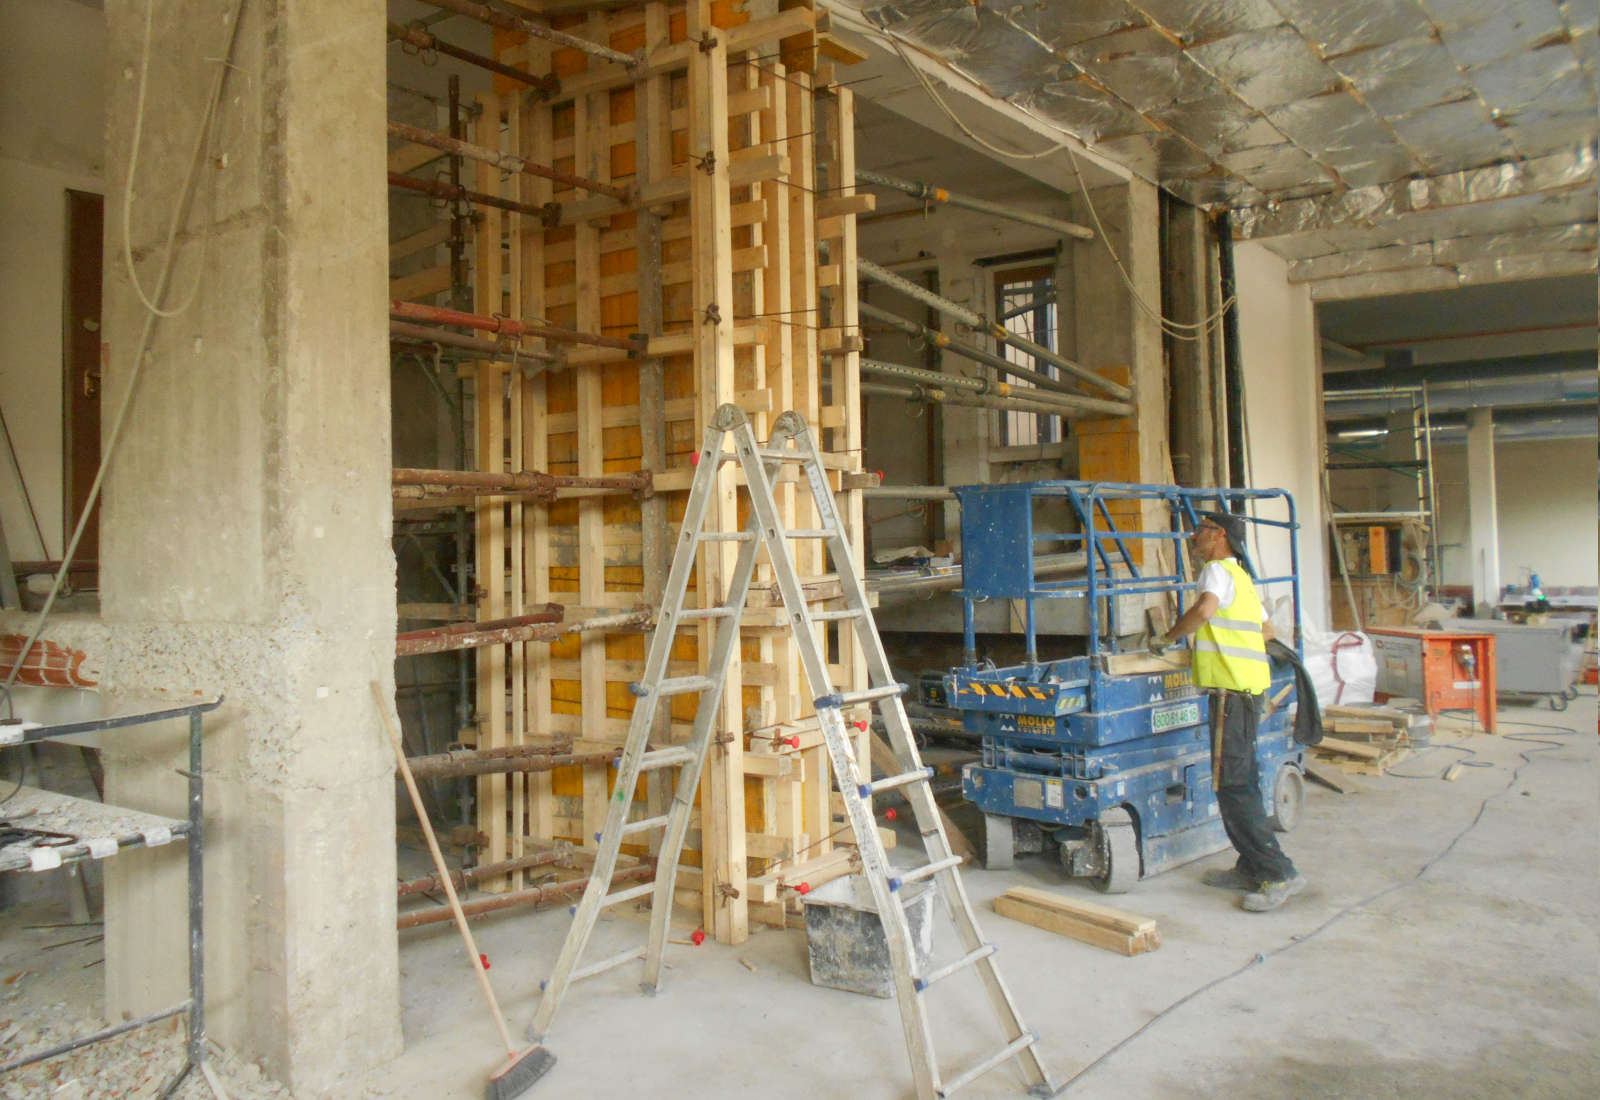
{"points": [[1230, 878], [1270, 895]]}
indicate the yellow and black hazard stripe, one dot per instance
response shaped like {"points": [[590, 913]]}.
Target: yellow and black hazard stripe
{"points": [[1001, 691]]}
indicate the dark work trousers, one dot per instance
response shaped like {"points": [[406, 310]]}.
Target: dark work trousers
{"points": [[1239, 788]]}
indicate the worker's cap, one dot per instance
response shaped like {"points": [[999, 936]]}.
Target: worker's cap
{"points": [[1233, 526]]}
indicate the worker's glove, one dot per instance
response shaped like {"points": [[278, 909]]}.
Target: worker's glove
{"points": [[1158, 644]]}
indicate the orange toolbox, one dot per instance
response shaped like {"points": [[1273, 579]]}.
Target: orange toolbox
{"points": [[1444, 670]]}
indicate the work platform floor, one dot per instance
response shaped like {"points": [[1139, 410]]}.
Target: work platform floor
{"points": [[1448, 946]]}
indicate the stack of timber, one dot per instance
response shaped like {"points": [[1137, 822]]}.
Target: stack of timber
{"points": [[1087, 921], [1367, 740], [698, 217]]}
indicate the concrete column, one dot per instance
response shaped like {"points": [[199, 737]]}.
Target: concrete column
{"points": [[1109, 328], [245, 538], [1192, 431], [1483, 538]]}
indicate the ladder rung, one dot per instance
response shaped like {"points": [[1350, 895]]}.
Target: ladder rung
{"points": [[921, 775], [607, 964], [674, 757], [781, 455], [1011, 1050], [851, 698], [645, 823], [672, 685], [726, 536], [927, 870], [831, 616], [956, 967], [626, 895], [695, 614]]}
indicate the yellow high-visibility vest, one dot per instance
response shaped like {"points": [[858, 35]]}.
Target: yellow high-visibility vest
{"points": [[1230, 650]]}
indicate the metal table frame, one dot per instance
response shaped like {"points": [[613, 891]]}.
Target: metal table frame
{"points": [[23, 733]]}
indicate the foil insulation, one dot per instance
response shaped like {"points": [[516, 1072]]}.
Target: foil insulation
{"points": [[1305, 118]]}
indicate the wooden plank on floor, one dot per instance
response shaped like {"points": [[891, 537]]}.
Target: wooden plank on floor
{"points": [[1085, 929]]}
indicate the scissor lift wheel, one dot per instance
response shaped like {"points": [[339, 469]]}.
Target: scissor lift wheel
{"points": [[1117, 851], [1288, 795]]}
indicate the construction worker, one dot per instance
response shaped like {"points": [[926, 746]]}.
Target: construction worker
{"points": [[1230, 660]]}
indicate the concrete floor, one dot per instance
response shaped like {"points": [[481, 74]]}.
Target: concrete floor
{"points": [[1477, 977], [1447, 946]]}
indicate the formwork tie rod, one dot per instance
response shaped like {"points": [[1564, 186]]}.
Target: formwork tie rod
{"points": [[471, 765], [548, 213], [935, 395], [487, 348], [504, 161], [507, 22], [505, 326], [934, 338], [546, 86], [533, 483], [928, 192], [535, 896], [978, 323], [1064, 404], [408, 645]]}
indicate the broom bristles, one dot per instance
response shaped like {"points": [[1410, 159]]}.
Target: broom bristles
{"points": [[518, 1073]]}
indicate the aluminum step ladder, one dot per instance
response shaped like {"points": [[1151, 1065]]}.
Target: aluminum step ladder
{"points": [[791, 443]]}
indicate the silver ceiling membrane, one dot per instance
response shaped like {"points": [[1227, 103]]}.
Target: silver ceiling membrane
{"points": [[1259, 105]]}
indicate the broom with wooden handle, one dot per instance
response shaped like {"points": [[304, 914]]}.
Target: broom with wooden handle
{"points": [[521, 1067]]}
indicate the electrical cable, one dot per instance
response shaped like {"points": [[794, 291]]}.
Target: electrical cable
{"points": [[1177, 330], [1264, 956], [142, 349]]}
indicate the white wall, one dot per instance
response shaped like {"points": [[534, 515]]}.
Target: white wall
{"points": [[1278, 348], [52, 138], [1544, 493]]}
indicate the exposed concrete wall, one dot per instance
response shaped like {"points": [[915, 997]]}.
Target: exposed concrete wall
{"points": [[52, 124], [1283, 419], [245, 533]]}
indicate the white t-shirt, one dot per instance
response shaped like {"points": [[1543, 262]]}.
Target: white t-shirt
{"points": [[1219, 582]]}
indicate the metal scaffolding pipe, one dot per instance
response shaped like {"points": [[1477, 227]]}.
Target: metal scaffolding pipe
{"points": [[423, 40], [977, 385], [548, 214], [561, 892], [534, 632], [508, 22], [978, 322], [489, 765], [928, 192], [971, 400], [532, 482], [488, 348], [504, 161], [462, 879], [505, 326], [935, 338], [448, 639]]}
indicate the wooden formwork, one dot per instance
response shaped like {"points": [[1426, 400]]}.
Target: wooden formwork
{"points": [[735, 257]]}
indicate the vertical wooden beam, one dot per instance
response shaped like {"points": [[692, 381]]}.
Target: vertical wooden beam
{"points": [[722, 791], [847, 384], [591, 158], [535, 550], [800, 106], [491, 532], [516, 532], [652, 158]]}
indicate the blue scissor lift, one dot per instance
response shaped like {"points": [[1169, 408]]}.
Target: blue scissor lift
{"points": [[1111, 764]]}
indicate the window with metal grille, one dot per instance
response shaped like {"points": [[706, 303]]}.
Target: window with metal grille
{"points": [[1025, 301]]}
